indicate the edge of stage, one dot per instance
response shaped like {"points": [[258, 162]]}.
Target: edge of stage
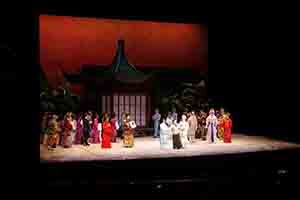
{"points": [[149, 148], [254, 168]]}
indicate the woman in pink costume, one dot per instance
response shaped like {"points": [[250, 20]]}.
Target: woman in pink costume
{"points": [[95, 132]]}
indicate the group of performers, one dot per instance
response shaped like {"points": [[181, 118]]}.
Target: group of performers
{"points": [[86, 129], [214, 127]]}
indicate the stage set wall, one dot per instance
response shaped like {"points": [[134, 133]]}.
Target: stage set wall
{"points": [[66, 43]]}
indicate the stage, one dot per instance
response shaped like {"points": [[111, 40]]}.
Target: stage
{"points": [[148, 147]]}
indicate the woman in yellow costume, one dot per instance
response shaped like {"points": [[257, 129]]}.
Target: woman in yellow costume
{"points": [[221, 120], [53, 132], [128, 137]]}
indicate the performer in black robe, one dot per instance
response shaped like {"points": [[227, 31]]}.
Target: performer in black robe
{"points": [[177, 144]]}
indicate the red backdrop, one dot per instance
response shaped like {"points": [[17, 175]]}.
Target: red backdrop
{"points": [[68, 42]]}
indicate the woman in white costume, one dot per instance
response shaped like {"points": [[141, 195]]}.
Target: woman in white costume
{"points": [[183, 128], [165, 136]]}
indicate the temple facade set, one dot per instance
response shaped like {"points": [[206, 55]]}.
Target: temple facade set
{"points": [[121, 87]]}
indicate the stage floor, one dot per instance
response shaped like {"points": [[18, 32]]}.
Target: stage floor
{"points": [[148, 147]]}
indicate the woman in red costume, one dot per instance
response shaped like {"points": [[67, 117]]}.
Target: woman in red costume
{"points": [[227, 128], [107, 132], [67, 137], [113, 122]]}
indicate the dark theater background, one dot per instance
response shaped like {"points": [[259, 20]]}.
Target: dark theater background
{"points": [[249, 74]]}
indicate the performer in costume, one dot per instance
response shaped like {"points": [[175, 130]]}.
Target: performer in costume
{"points": [[169, 119], [156, 118], [217, 113], [193, 124], [52, 132], [79, 130], [67, 137], [203, 129], [95, 139], [104, 117], [183, 128], [220, 128], [90, 117], [74, 125], [211, 123], [121, 125], [177, 144], [222, 112], [198, 131], [227, 128], [107, 133], [113, 123], [174, 115], [86, 129], [165, 135], [128, 137]]}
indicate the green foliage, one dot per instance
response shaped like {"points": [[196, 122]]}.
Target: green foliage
{"points": [[59, 100], [185, 96]]}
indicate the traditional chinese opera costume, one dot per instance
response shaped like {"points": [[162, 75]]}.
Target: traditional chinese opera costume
{"points": [[79, 131], [90, 114], [169, 119], [183, 127], [120, 131], [53, 132], [211, 123], [113, 123], [203, 129], [86, 129], [220, 128], [67, 134], [177, 144], [227, 129], [193, 124], [128, 137], [166, 141], [156, 118], [198, 131], [95, 138], [174, 115], [106, 134], [74, 130]]}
